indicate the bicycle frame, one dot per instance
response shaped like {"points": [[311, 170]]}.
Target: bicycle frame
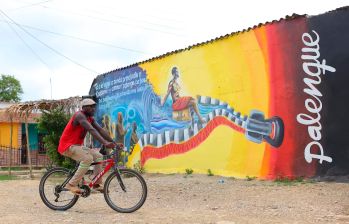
{"points": [[110, 163]]}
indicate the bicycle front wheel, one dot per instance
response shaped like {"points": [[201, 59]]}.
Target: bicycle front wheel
{"points": [[53, 194], [129, 199]]}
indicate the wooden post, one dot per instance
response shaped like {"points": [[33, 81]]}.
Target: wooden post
{"points": [[10, 153], [28, 149], [37, 153]]}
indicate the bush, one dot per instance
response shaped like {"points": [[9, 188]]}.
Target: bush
{"points": [[189, 171], [138, 167], [48, 166], [209, 173], [69, 164], [53, 124]]}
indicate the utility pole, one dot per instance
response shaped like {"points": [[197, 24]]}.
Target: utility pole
{"points": [[51, 88]]}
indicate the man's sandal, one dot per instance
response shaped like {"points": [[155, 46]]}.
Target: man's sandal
{"points": [[74, 189]]}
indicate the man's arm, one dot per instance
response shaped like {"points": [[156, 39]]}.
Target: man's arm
{"points": [[81, 119]]}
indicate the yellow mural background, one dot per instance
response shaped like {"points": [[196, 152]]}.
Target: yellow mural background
{"points": [[134, 157], [232, 70]]}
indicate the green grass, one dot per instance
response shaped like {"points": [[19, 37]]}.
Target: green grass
{"points": [[250, 178], [288, 181], [14, 168], [209, 173], [232, 178], [20, 168], [6, 177], [308, 182]]}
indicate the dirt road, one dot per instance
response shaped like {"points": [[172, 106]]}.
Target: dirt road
{"points": [[196, 198]]}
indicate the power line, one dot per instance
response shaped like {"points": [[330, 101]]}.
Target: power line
{"points": [[77, 38], [117, 22], [47, 45], [127, 12], [65, 11], [9, 34], [124, 11], [31, 48], [116, 16], [142, 14], [133, 19], [29, 5], [168, 12], [70, 71]]}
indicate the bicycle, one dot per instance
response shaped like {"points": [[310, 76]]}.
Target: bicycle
{"points": [[121, 184]]}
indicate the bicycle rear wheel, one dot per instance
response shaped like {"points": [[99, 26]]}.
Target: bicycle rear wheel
{"points": [[52, 194], [134, 195]]}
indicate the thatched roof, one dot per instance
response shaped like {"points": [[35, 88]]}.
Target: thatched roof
{"points": [[26, 108]]}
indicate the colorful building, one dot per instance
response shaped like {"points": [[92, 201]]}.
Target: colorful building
{"points": [[19, 132], [267, 100]]}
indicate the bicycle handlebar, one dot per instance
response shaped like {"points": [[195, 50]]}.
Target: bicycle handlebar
{"points": [[116, 147], [120, 147]]}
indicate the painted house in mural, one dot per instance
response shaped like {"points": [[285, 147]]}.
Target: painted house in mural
{"points": [[267, 100]]}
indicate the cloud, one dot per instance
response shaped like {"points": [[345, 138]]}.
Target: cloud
{"points": [[198, 21]]}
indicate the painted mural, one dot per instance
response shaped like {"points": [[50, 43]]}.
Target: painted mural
{"points": [[266, 101]]}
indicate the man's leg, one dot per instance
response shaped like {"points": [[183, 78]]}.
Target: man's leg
{"points": [[97, 157], [192, 103], [78, 154]]}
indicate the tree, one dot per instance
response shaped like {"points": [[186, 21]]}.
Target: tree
{"points": [[10, 89], [53, 124]]}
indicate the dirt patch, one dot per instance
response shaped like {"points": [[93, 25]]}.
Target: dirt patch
{"points": [[196, 198], [339, 174]]}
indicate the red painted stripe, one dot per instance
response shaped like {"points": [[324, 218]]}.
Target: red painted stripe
{"points": [[287, 97], [149, 152]]}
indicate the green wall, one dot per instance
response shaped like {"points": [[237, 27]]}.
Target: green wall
{"points": [[33, 132]]}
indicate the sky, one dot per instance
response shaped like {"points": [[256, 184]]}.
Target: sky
{"points": [[70, 42]]}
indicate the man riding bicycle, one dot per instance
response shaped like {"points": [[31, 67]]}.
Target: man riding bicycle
{"points": [[70, 144]]}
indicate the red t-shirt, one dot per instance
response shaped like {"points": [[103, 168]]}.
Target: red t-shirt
{"points": [[73, 135]]}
